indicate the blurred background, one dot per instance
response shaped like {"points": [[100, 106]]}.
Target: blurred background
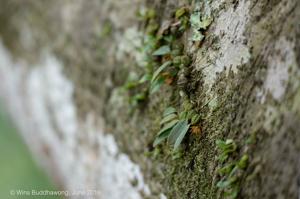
{"points": [[18, 170]]}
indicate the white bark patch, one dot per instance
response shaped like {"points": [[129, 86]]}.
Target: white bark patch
{"points": [[80, 154], [229, 27], [279, 64]]}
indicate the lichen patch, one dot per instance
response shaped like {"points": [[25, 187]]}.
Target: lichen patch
{"points": [[233, 51]]}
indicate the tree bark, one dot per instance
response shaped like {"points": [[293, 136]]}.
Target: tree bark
{"points": [[64, 64]]}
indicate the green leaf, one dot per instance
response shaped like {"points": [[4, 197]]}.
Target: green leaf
{"points": [[167, 126], [233, 172], [169, 38], [168, 111], [223, 183], [226, 183], [139, 97], [168, 118], [183, 115], [243, 162], [176, 154], [178, 132], [190, 114], [195, 119], [226, 169], [187, 105], [223, 157], [164, 50], [226, 146], [233, 192], [161, 137], [154, 87], [145, 78], [180, 12], [159, 70]]}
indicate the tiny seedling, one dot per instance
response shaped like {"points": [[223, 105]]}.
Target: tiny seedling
{"points": [[229, 182], [231, 171], [226, 147]]}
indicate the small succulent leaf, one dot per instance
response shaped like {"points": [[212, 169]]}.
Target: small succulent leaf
{"points": [[164, 50], [159, 70], [161, 137], [229, 141], [178, 132], [180, 12], [226, 169], [167, 126], [232, 193], [195, 119], [130, 84], [220, 144], [176, 154], [222, 157], [169, 110], [230, 149], [183, 115], [226, 146], [187, 105], [190, 114], [168, 118], [243, 162]]}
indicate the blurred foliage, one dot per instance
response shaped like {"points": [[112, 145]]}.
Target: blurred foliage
{"points": [[18, 171]]}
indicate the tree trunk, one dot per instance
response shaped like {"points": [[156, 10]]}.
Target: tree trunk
{"points": [[69, 75]]}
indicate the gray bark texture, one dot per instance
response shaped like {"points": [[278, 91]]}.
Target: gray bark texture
{"points": [[71, 74]]}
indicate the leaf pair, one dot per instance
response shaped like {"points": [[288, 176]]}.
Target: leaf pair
{"points": [[173, 129]]}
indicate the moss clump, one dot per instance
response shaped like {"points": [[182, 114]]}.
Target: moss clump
{"points": [[163, 54]]}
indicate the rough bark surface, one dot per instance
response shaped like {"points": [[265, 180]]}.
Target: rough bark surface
{"points": [[63, 65]]}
